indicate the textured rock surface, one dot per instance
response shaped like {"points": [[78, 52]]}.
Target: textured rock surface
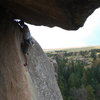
{"points": [[17, 82], [68, 14], [42, 75], [54, 63]]}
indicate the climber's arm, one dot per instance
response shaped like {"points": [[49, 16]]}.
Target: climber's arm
{"points": [[21, 23]]}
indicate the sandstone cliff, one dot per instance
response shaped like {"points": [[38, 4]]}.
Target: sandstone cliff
{"points": [[17, 82]]}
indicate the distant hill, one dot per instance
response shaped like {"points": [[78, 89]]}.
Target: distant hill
{"points": [[72, 49]]}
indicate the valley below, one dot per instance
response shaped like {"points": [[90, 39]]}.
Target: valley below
{"points": [[77, 71]]}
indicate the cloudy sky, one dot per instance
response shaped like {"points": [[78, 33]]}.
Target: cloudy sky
{"points": [[88, 35]]}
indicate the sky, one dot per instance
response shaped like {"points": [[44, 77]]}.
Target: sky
{"points": [[53, 38]]}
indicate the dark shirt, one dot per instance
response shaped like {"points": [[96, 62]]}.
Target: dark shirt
{"points": [[26, 33]]}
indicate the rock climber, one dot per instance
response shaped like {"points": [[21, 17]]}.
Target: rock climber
{"points": [[27, 39]]}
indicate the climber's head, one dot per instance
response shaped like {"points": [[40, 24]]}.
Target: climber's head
{"points": [[21, 22]]}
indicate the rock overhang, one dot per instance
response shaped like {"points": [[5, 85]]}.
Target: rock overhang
{"points": [[67, 14]]}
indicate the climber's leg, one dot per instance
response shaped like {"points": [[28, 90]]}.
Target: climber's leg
{"points": [[25, 48]]}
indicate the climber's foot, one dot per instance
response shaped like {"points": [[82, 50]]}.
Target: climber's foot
{"points": [[25, 64]]}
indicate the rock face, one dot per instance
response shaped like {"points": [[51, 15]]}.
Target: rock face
{"points": [[43, 75], [17, 82], [68, 14]]}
